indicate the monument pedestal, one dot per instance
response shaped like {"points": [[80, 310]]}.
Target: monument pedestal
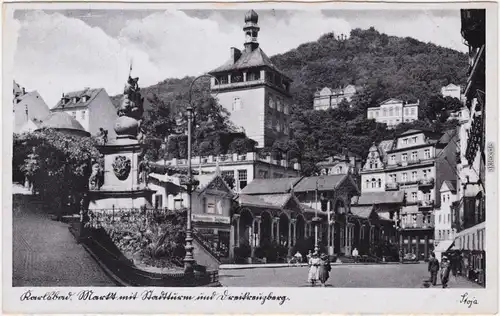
{"points": [[121, 187]]}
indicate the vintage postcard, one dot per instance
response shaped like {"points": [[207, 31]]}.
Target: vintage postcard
{"points": [[250, 158]]}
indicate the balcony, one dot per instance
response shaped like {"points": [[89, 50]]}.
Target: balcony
{"points": [[392, 186], [413, 161], [426, 183], [425, 205]]}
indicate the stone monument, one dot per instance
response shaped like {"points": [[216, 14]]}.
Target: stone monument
{"points": [[124, 183]]}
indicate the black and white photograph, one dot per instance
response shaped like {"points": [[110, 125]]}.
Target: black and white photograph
{"points": [[251, 146]]}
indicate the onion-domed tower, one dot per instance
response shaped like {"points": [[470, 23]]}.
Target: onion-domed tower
{"points": [[251, 30]]}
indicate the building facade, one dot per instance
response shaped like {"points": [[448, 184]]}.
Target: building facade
{"points": [[416, 162], [254, 91], [330, 98], [242, 168], [452, 90], [346, 163], [92, 108], [29, 109], [393, 112], [469, 211], [444, 234]]}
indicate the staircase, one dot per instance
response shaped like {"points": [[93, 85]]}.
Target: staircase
{"points": [[206, 253]]}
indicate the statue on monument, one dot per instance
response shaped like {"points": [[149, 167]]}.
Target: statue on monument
{"points": [[131, 110]]}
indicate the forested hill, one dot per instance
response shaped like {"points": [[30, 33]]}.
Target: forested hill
{"points": [[397, 67], [393, 66]]}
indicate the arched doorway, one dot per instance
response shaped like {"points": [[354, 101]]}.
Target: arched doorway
{"points": [[246, 234], [284, 230], [301, 228], [266, 227]]}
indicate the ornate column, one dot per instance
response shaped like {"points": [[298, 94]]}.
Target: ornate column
{"points": [[277, 230], [332, 232], [426, 247], [237, 229], [253, 240], [289, 242], [294, 239], [272, 228], [417, 250], [258, 236]]}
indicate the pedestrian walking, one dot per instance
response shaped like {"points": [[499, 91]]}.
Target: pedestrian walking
{"points": [[433, 268], [445, 271], [324, 269], [314, 264], [309, 255], [297, 258], [355, 254]]}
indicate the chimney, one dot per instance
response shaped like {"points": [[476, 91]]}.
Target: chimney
{"points": [[235, 54], [24, 90], [26, 111]]}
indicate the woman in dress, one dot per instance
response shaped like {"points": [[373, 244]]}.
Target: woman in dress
{"points": [[445, 271], [324, 269], [314, 263]]}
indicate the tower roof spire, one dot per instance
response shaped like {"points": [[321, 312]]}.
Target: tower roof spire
{"points": [[251, 30]]}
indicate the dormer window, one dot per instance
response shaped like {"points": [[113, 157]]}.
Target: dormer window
{"points": [[85, 98], [75, 99]]}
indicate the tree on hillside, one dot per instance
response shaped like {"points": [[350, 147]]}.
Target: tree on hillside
{"points": [[439, 108]]}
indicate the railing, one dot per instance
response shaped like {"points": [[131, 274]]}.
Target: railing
{"points": [[426, 182], [414, 161], [208, 244], [425, 204], [392, 186]]}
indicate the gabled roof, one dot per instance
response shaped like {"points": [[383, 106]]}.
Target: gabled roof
{"points": [[254, 200], [255, 58], [450, 184], [371, 198], [91, 93], [322, 183], [392, 101], [270, 186], [362, 211]]}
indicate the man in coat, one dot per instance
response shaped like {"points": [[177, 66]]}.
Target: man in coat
{"points": [[433, 268]]}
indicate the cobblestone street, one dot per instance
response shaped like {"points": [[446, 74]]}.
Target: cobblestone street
{"points": [[45, 253], [371, 276]]}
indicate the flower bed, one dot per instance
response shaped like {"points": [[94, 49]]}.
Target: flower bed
{"points": [[153, 238]]}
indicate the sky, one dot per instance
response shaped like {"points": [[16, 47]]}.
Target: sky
{"points": [[68, 50]]}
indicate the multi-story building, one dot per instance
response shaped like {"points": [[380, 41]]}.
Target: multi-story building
{"points": [[243, 168], [29, 109], [254, 91], [451, 90], [345, 163], [393, 112], [444, 234], [92, 108], [415, 162], [330, 98], [469, 210]]}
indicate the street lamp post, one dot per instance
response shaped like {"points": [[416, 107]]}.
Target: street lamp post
{"points": [[190, 183], [316, 221]]}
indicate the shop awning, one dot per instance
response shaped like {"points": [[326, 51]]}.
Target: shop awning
{"points": [[443, 245]]}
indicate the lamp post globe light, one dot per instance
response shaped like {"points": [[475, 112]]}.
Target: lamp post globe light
{"points": [[190, 182], [316, 219]]}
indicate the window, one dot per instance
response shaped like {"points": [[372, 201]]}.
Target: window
{"points": [[397, 111], [73, 114], [384, 112], [439, 219], [413, 175], [427, 154], [440, 234], [449, 218], [242, 178], [286, 110], [271, 102], [425, 174], [414, 196], [263, 174], [379, 182], [404, 157], [414, 155], [339, 169], [443, 198], [236, 104], [210, 205], [405, 141], [391, 111], [393, 159], [367, 183], [414, 139], [376, 113], [406, 112], [393, 178], [278, 104], [219, 206], [413, 111], [404, 177], [158, 201], [83, 115], [374, 183]]}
